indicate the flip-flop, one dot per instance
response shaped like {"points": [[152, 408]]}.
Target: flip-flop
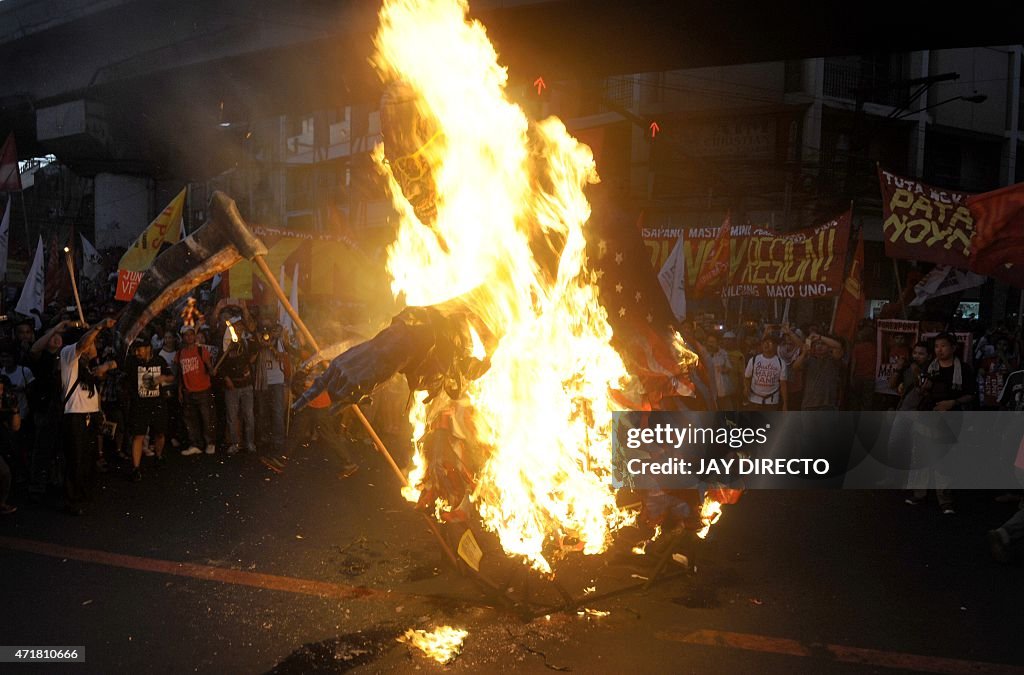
{"points": [[274, 466]]}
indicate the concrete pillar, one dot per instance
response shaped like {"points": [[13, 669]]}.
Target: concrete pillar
{"points": [[123, 208], [917, 134], [814, 86], [1008, 165]]}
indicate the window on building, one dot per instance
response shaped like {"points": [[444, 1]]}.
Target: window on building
{"points": [[872, 76], [794, 77]]}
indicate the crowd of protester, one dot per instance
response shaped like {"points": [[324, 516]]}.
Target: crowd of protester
{"points": [[761, 365], [765, 366], [76, 401]]}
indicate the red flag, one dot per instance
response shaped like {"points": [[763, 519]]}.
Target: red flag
{"points": [[997, 214], [716, 265], [997, 247], [10, 177], [851, 301]]}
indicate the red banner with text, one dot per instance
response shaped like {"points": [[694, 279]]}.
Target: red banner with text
{"points": [[921, 222]]}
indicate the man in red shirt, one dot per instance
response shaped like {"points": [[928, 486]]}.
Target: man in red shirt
{"points": [[195, 393]]}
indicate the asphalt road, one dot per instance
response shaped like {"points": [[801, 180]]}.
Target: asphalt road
{"points": [[217, 565]]}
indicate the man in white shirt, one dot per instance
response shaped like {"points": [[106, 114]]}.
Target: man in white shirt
{"points": [[81, 413], [721, 367], [765, 377]]}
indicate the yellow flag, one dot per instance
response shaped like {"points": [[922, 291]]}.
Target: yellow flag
{"points": [[165, 228]]}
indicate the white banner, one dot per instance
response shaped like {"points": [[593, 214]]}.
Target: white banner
{"points": [[672, 278], [31, 301], [5, 228], [92, 261], [944, 280]]}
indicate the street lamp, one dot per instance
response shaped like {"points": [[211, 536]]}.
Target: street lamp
{"points": [[976, 98]]}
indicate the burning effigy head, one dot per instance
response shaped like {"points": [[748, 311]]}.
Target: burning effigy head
{"points": [[504, 338]]}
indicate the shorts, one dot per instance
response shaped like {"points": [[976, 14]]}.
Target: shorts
{"points": [[150, 414]]}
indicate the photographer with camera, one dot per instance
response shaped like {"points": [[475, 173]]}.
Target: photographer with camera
{"points": [[235, 370], [10, 423], [147, 413], [272, 370], [80, 374], [19, 378]]}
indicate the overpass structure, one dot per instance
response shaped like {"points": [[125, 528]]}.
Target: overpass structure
{"points": [[167, 89]]}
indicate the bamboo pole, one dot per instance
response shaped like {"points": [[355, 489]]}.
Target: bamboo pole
{"points": [[74, 284], [377, 442], [899, 288]]}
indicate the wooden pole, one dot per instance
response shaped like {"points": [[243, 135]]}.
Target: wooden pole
{"points": [[899, 288], [24, 216], [377, 442], [74, 284]]}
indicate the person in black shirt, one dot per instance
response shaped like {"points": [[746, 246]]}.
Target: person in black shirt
{"points": [[147, 413], [235, 371], [10, 422], [46, 406], [949, 384]]}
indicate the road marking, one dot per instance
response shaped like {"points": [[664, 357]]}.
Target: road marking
{"points": [[272, 582], [841, 653]]}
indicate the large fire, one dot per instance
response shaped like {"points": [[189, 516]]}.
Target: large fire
{"points": [[502, 185]]}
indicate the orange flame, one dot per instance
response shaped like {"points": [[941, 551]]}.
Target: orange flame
{"points": [[542, 412], [441, 644]]}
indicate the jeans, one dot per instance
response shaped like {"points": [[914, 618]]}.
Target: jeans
{"points": [[5, 481], [80, 453], [45, 449], [270, 409], [327, 428], [199, 418], [238, 401], [927, 454]]}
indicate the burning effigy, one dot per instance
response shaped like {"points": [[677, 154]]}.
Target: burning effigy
{"points": [[504, 338]]}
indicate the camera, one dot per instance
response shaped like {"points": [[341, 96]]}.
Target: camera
{"points": [[268, 334], [108, 429], [9, 402]]}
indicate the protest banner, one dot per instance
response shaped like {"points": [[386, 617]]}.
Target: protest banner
{"points": [[808, 263], [922, 222], [698, 245]]}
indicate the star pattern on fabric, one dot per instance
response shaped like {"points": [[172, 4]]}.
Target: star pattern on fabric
{"points": [[618, 288], [618, 258], [622, 311]]}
